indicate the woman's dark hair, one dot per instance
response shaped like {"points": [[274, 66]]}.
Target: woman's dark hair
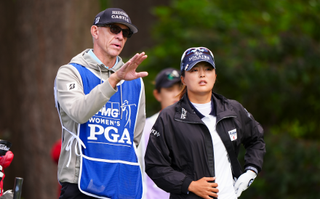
{"points": [[184, 88], [183, 91]]}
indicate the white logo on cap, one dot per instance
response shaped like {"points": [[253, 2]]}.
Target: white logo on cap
{"points": [[199, 55], [175, 73], [120, 15], [97, 20]]}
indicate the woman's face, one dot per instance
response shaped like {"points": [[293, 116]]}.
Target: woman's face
{"points": [[199, 82]]}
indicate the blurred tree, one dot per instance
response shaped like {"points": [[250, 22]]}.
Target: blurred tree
{"points": [[140, 13], [36, 38], [266, 55]]}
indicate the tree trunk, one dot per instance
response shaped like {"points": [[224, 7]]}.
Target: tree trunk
{"points": [[37, 37]]}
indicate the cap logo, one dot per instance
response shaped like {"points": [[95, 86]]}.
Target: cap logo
{"points": [[4, 147], [199, 55], [173, 75], [120, 15], [97, 20]]}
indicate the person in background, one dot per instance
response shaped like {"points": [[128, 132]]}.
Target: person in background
{"points": [[55, 153], [167, 88], [194, 145], [5, 161], [101, 107]]}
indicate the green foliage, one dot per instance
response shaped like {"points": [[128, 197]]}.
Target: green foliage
{"points": [[266, 54], [290, 170], [104, 4]]}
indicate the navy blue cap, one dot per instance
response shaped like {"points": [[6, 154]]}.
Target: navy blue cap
{"points": [[194, 55], [114, 15], [166, 78]]}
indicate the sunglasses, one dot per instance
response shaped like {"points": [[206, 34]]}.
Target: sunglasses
{"points": [[191, 51], [116, 30]]}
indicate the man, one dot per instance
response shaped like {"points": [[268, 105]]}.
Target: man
{"points": [[167, 88], [100, 101]]}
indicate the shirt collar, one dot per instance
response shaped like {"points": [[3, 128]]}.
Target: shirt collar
{"points": [[90, 52], [213, 110]]}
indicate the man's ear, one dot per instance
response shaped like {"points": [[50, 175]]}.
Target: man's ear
{"points": [[157, 95], [94, 31]]}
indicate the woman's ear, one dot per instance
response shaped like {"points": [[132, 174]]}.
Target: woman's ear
{"points": [[182, 80], [157, 95]]}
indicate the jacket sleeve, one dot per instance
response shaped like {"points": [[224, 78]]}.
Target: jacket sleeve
{"points": [[78, 106], [252, 140], [158, 160]]}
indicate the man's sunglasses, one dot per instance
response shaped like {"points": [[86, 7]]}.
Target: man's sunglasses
{"points": [[116, 30]]}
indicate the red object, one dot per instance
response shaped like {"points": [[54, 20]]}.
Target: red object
{"points": [[5, 161], [55, 154], [55, 151]]}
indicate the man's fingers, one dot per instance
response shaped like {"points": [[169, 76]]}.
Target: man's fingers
{"points": [[138, 58], [143, 74]]}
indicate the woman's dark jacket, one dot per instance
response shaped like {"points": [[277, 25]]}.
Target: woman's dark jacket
{"points": [[180, 147]]}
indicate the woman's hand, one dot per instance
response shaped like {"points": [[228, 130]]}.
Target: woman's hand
{"points": [[204, 187]]}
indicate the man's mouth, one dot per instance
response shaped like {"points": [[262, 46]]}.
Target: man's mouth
{"points": [[117, 45]]}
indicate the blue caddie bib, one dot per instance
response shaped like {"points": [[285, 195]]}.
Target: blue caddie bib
{"points": [[109, 164]]}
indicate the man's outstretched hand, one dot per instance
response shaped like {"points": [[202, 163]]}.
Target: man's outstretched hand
{"points": [[128, 70]]}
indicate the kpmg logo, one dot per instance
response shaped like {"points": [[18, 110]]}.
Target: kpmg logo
{"points": [[110, 110]]}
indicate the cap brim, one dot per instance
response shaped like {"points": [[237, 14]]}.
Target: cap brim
{"points": [[171, 83], [167, 84], [132, 27], [194, 63]]}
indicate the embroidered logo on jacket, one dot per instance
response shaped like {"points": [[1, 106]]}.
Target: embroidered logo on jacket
{"points": [[71, 86], [183, 113], [233, 134], [154, 132]]}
